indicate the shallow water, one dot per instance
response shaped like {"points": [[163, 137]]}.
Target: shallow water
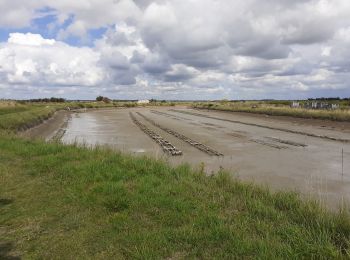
{"points": [[253, 153]]}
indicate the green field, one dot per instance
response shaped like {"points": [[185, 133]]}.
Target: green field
{"points": [[68, 202], [278, 108]]}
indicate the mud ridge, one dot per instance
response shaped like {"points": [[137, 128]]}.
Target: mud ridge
{"points": [[60, 132], [265, 126], [185, 119], [194, 143], [169, 115], [166, 145], [286, 142], [58, 136], [262, 142]]}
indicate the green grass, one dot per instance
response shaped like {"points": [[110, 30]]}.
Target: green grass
{"points": [[64, 202], [18, 118], [277, 110]]}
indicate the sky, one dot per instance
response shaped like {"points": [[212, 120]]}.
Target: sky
{"points": [[175, 49]]}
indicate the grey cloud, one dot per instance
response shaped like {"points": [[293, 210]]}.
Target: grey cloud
{"points": [[137, 57], [156, 64], [206, 48], [115, 60], [309, 33], [118, 38], [264, 48], [179, 73], [122, 78]]}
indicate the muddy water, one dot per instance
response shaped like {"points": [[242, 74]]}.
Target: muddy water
{"points": [[109, 127], [281, 160]]}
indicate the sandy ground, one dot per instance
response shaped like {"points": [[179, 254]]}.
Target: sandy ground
{"points": [[279, 159]]}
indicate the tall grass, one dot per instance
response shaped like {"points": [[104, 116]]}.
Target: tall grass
{"points": [[336, 115], [63, 201], [18, 118]]}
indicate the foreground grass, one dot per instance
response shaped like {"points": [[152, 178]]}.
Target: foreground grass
{"points": [[64, 202], [249, 107]]}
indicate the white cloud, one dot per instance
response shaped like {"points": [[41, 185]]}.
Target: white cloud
{"points": [[30, 59], [326, 51], [300, 87], [170, 48], [29, 39]]}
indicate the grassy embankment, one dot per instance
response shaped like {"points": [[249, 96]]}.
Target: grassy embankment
{"points": [[68, 202], [276, 110]]}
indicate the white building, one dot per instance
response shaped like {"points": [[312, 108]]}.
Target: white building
{"points": [[295, 104], [144, 101], [335, 106]]}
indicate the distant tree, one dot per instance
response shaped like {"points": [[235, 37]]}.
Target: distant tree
{"points": [[99, 98], [46, 100], [58, 100]]}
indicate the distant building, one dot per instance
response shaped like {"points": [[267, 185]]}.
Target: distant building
{"points": [[335, 106], [320, 105], [295, 104], [144, 101]]}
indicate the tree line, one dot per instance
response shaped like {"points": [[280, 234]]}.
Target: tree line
{"points": [[47, 100]]}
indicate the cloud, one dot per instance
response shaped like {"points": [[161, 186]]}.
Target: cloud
{"points": [[178, 49], [180, 73], [33, 60], [29, 39]]}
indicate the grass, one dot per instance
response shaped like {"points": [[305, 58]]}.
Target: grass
{"points": [[64, 202], [277, 110], [23, 117]]}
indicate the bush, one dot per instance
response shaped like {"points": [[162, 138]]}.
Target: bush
{"points": [[99, 98]]}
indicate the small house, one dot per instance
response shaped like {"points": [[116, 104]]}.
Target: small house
{"points": [[315, 105], [334, 106], [144, 101], [320, 105], [295, 105]]}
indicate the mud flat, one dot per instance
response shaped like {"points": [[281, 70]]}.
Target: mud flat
{"points": [[297, 159], [51, 128]]}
